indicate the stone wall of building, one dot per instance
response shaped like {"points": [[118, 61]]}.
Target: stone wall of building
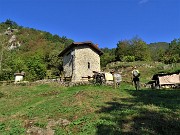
{"points": [[86, 60], [68, 63]]}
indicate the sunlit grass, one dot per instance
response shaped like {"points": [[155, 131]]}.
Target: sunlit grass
{"points": [[89, 109]]}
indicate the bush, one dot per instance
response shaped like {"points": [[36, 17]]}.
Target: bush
{"points": [[128, 58]]}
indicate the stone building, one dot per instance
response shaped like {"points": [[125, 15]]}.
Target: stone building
{"points": [[80, 59]]}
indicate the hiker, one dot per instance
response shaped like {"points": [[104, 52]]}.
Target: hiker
{"points": [[135, 78], [118, 78]]}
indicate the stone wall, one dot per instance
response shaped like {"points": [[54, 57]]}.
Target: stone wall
{"points": [[68, 63], [86, 60], [81, 62]]}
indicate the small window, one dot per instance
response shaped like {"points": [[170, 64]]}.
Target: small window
{"points": [[88, 65]]}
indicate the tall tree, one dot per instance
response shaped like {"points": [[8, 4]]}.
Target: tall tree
{"points": [[122, 49], [134, 48], [140, 50], [3, 45], [172, 55], [174, 46]]}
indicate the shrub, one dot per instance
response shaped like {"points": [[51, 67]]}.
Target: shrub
{"points": [[128, 58]]}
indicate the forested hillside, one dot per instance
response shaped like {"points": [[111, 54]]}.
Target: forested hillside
{"points": [[34, 52], [29, 50], [136, 49]]}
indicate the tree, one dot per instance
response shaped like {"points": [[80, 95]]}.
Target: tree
{"points": [[174, 47], [53, 62], [135, 47], [36, 68], [6, 72], [140, 50], [172, 55], [3, 45], [108, 56], [158, 54], [11, 24], [122, 49], [19, 65]]}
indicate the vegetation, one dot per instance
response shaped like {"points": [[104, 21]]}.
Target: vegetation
{"points": [[51, 108], [33, 52], [135, 48], [88, 110], [160, 57], [36, 52]]}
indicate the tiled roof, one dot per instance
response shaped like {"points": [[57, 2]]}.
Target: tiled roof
{"points": [[74, 44]]}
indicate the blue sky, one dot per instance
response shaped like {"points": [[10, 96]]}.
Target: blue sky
{"points": [[104, 22]]}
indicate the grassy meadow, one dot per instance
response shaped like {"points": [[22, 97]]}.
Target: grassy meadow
{"points": [[93, 110]]}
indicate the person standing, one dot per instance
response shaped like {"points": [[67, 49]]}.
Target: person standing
{"points": [[135, 78], [117, 78]]}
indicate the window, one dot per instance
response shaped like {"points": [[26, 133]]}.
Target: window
{"points": [[88, 65]]}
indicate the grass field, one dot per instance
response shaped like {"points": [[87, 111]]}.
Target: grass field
{"points": [[94, 110]]}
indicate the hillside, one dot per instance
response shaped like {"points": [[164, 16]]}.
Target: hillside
{"points": [[29, 39], [35, 52], [27, 49], [95, 110]]}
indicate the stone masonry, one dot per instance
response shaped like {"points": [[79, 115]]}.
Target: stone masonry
{"points": [[80, 60]]}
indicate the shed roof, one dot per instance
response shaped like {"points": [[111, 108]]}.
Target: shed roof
{"points": [[19, 74], [155, 76], [74, 44]]}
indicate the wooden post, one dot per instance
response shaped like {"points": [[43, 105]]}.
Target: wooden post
{"points": [[115, 84]]}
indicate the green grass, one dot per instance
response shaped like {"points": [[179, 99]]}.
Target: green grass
{"points": [[93, 110]]}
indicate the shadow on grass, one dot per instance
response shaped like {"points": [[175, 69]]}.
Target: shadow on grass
{"points": [[1, 95], [144, 112]]}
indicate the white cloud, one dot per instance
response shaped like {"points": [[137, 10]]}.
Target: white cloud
{"points": [[143, 1]]}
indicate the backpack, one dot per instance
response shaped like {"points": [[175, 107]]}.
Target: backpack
{"points": [[136, 73]]}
